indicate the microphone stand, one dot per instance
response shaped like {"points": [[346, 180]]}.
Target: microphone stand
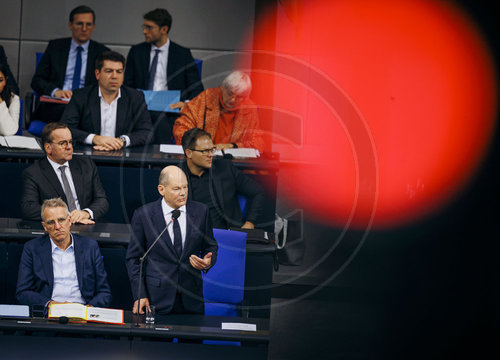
{"points": [[175, 214]]}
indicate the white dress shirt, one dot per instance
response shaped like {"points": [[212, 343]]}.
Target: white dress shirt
{"points": [[56, 167], [108, 118], [66, 286], [167, 214], [161, 69], [70, 66]]}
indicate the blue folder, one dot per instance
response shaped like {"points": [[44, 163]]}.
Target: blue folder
{"points": [[160, 100]]}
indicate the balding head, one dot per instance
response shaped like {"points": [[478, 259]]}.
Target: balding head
{"points": [[173, 186]]}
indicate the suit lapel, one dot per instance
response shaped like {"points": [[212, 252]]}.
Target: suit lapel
{"points": [[146, 58], [216, 181], [121, 113], [95, 109], [77, 175], [51, 178], [78, 251], [46, 258]]}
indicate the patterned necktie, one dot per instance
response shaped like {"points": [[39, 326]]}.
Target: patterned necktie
{"points": [[67, 189], [177, 238], [152, 70], [78, 68]]}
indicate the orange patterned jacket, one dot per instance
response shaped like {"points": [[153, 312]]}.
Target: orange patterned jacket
{"points": [[204, 112]]}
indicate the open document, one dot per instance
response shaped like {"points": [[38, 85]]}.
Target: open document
{"points": [[82, 313], [20, 142]]}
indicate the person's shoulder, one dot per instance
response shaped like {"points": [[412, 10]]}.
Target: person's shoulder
{"points": [[99, 46], [36, 166], [84, 92], [59, 42], [143, 46], [35, 243], [131, 92], [179, 48], [222, 164], [192, 205], [147, 208], [84, 242], [82, 161]]}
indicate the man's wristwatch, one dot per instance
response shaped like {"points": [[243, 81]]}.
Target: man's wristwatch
{"points": [[124, 139]]}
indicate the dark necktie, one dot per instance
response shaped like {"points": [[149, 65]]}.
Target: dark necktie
{"points": [[78, 68], [152, 70], [177, 238], [67, 189]]}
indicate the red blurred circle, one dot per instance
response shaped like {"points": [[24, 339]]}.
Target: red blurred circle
{"points": [[396, 102]]}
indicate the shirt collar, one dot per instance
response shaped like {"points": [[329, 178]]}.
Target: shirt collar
{"points": [[74, 45], [167, 209], [162, 48], [55, 165], [55, 247], [119, 93]]}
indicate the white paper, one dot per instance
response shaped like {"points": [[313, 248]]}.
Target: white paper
{"points": [[114, 316], [239, 326], [171, 149], [68, 310], [22, 311], [240, 153], [23, 142]]}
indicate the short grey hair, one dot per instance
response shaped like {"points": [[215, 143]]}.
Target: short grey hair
{"points": [[238, 82], [53, 203]]}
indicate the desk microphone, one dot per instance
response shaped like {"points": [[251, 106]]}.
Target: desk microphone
{"points": [[175, 215]]}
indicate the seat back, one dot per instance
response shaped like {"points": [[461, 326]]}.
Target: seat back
{"points": [[225, 281]]}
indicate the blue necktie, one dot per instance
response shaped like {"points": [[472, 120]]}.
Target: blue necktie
{"points": [[152, 71], [78, 68], [177, 238]]}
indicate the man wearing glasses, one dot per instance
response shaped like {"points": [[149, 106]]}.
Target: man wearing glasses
{"points": [[217, 183], [61, 267], [67, 64], [160, 64], [75, 180]]}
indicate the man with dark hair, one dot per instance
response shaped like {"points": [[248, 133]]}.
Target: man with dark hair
{"points": [[108, 115], [67, 64], [59, 174], [217, 183], [161, 64], [61, 267]]}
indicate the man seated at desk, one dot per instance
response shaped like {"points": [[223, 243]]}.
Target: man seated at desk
{"points": [[61, 267], [75, 180], [172, 273], [217, 183], [67, 64], [108, 115], [226, 113]]}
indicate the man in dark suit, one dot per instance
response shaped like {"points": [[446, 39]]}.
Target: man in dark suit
{"points": [[78, 184], [67, 64], [11, 80], [60, 266], [161, 64], [217, 183], [172, 271], [108, 115]]}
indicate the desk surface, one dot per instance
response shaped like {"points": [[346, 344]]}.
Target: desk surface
{"points": [[104, 233], [141, 156], [169, 326]]}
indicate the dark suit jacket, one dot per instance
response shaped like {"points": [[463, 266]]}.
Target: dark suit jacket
{"points": [[163, 271], [229, 182], [51, 70], [11, 81], [35, 281], [40, 182], [182, 73], [83, 115]]}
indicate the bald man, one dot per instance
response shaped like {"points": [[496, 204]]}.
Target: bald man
{"points": [[172, 271]]}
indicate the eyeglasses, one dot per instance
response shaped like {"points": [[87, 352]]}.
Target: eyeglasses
{"points": [[64, 143], [148, 27], [206, 151], [52, 223], [82, 24]]}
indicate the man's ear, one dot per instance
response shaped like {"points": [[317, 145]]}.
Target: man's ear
{"points": [[97, 73], [161, 189], [188, 153]]}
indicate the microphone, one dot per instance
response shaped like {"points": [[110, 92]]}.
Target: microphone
{"points": [[175, 215], [63, 320]]}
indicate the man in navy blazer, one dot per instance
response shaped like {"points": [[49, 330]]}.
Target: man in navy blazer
{"points": [[108, 115], [54, 74], [173, 69], [60, 266], [172, 279]]}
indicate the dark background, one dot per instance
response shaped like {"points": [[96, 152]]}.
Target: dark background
{"points": [[429, 290]]}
